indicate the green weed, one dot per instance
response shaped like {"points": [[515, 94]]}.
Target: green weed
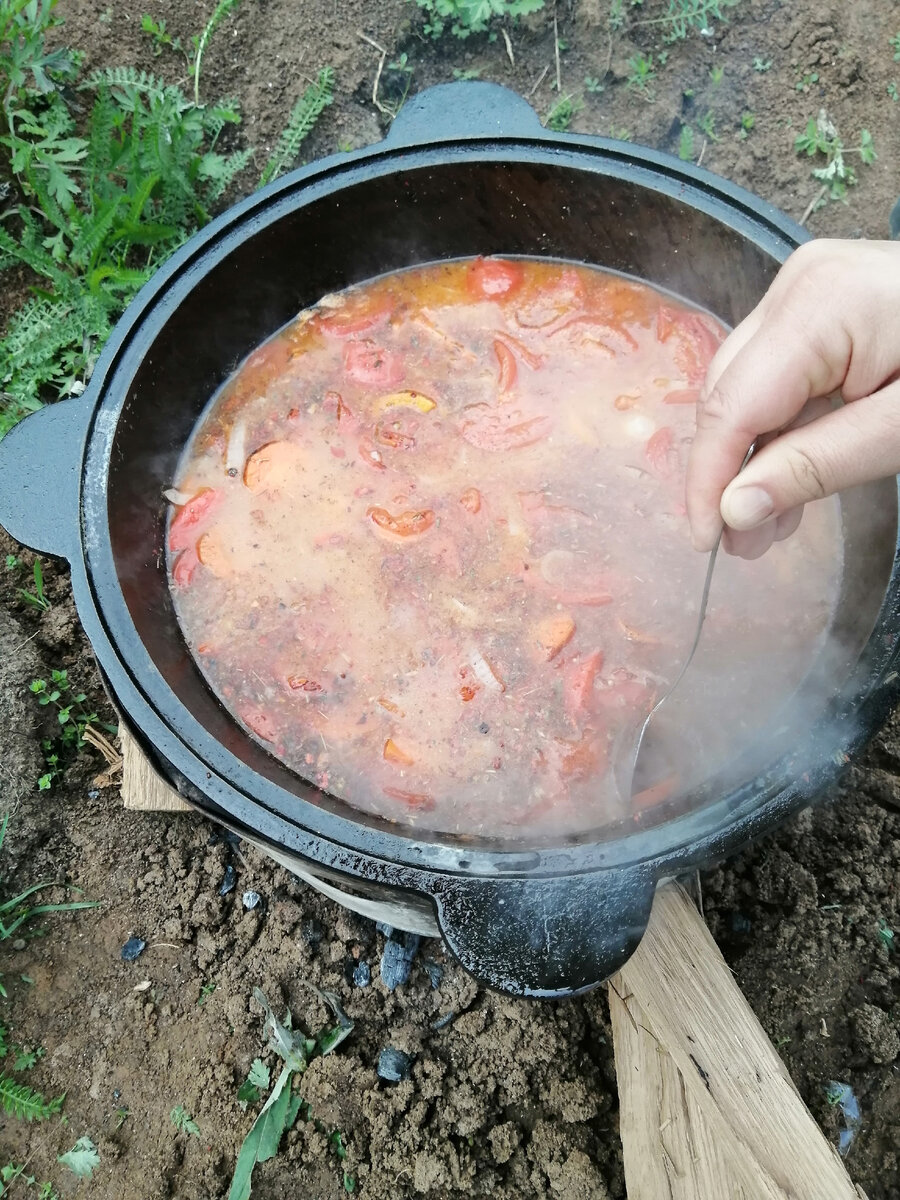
{"points": [[892, 91], [160, 38], [465, 17], [686, 144], [748, 121], [822, 138], [717, 74], [895, 46], [206, 990], [467, 73], [73, 719], [304, 115], [82, 1160], [184, 1122], [885, 934], [37, 598], [559, 118], [104, 194], [593, 84], [707, 126], [642, 76], [24, 1103], [282, 1106], [762, 65], [685, 15], [806, 81]]}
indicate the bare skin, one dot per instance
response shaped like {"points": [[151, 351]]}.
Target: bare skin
{"points": [[828, 326]]}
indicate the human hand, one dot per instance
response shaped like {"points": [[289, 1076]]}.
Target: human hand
{"points": [[830, 322]]}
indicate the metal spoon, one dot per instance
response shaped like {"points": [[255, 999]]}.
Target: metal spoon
{"points": [[625, 781]]}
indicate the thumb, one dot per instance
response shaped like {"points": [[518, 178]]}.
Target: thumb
{"points": [[857, 443]]}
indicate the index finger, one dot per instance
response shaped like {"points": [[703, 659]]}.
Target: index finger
{"points": [[762, 387]]}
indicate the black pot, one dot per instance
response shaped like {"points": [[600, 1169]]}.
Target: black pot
{"points": [[466, 169]]}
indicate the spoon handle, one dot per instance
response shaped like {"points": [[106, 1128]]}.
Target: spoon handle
{"points": [[704, 601]]}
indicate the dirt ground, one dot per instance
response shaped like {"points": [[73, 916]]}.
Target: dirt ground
{"points": [[512, 1099]]}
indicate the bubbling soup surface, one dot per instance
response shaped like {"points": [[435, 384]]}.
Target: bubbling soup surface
{"points": [[428, 545]]}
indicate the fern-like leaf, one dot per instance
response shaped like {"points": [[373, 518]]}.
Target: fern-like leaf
{"points": [[220, 12], [25, 1103], [304, 115]]}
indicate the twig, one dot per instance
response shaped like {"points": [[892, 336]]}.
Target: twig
{"points": [[702, 152], [509, 49], [386, 112], [699, 894], [539, 80], [96, 739], [556, 51], [813, 204]]}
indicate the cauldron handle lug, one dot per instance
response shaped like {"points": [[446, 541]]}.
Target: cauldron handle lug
{"points": [[545, 937], [467, 109], [40, 476]]}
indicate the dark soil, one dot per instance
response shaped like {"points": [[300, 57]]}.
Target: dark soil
{"points": [[510, 1098]]}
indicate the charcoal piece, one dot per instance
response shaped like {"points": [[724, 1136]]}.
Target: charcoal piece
{"points": [[434, 971], [397, 958], [312, 931], [393, 1065], [362, 975], [229, 879], [133, 949]]}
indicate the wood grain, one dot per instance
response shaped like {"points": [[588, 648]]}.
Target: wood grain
{"points": [[708, 1110], [142, 787]]}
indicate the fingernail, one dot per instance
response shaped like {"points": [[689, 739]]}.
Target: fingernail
{"points": [[747, 507]]}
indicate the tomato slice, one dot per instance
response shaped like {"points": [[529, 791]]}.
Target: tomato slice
{"points": [[373, 366], [662, 454], [334, 402], [652, 796], [491, 278], [407, 524], [358, 314], [508, 367], [552, 633], [682, 396], [189, 519], [471, 500], [578, 686], [275, 466], [418, 801], [185, 565], [260, 723], [499, 429], [392, 753]]}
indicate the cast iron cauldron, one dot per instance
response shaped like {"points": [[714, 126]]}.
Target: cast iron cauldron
{"points": [[466, 169]]}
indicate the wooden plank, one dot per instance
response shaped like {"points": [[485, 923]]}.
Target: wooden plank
{"points": [[708, 1109], [142, 787]]}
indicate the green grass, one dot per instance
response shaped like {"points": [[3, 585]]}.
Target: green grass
{"points": [[821, 139]]}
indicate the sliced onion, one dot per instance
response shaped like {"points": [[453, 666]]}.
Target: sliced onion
{"points": [[236, 450], [175, 497], [484, 672]]}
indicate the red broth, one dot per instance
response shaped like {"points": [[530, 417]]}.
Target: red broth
{"points": [[429, 546]]}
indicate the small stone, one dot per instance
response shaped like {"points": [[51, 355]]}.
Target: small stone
{"points": [[250, 900], [229, 879], [362, 974], [19, 944], [312, 931], [133, 949], [393, 1065], [739, 923], [443, 1021]]}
